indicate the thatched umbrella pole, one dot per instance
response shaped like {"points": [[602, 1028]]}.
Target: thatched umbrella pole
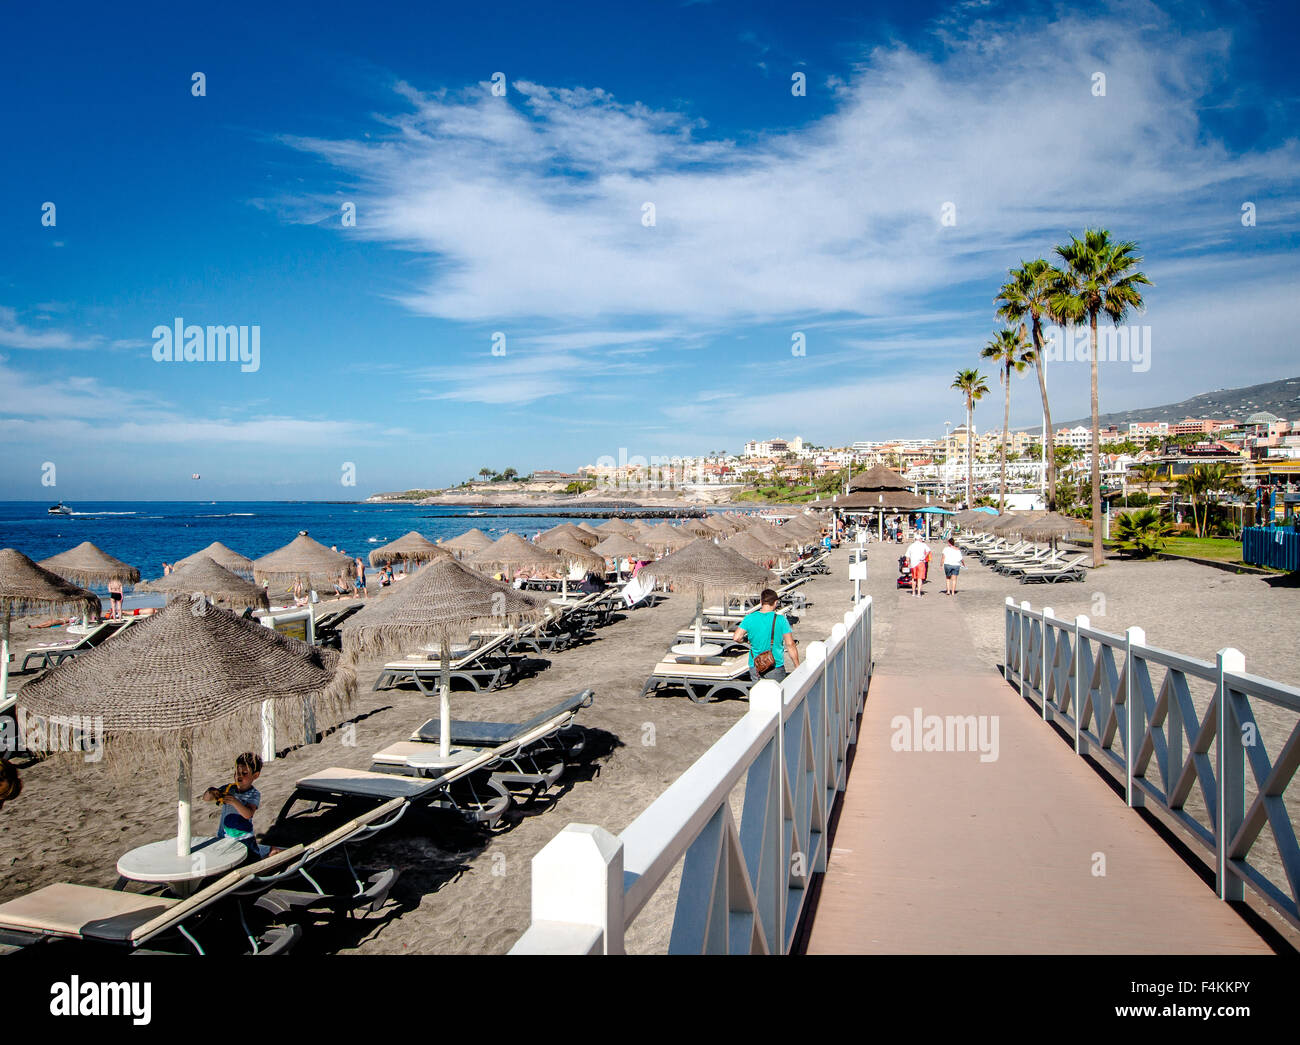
{"points": [[184, 788], [444, 698]]}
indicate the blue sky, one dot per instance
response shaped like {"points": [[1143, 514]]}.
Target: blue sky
{"points": [[523, 214]]}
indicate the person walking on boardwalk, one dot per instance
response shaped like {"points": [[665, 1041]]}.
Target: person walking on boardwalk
{"points": [[951, 566], [916, 553], [773, 653]]}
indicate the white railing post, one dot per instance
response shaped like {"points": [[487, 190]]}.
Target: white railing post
{"points": [[1133, 715], [1231, 778], [578, 887], [1025, 627], [1009, 622], [1042, 671], [1080, 621]]}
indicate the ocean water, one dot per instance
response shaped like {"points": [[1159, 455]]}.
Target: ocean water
{"points": [[147, 533]]}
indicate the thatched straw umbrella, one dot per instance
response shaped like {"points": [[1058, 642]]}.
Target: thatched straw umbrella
{"points": [[611, 526], [303, 559], [467, 543], [1051, 526], [204, 576], [753, 549], [445, 602], [709, 569], [983, 522], [619, 547], [86, 564], [222, 556], [413, 547], [512, 553], [26, 587], [766, 534], [587, 527], [181, 679], [573, 552], [1014, 522], [878, 477], [699, 528], [584, 537], [666, 538]]}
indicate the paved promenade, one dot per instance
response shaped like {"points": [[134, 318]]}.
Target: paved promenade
{"points": [[941, 852]]}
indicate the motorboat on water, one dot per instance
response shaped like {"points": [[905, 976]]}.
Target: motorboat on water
{"points": [[59, 509]]}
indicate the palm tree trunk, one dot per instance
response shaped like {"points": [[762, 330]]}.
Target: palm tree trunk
{"points": [[1098, 553], [1006, 422], [970, 450], [1049, 442]]}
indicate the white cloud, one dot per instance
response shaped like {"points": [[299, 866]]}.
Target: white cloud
{"points": [[532, 206]]}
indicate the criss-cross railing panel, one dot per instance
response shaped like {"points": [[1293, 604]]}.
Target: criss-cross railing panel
{"points": [[1180, 733], [742, 889]]}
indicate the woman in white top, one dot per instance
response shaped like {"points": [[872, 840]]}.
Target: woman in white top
{"points": [[951, 566]]}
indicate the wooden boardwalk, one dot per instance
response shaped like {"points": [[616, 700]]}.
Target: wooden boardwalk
{"points": [[938, 852]]}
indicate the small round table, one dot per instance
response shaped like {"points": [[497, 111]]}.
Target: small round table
{"points": [[436, 764], [158, 862], [696, 653]]}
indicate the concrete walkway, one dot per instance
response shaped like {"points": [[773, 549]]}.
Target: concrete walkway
{"points": [[939, 852]]}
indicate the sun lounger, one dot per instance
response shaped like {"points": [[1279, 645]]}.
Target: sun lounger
{"points": [[51, 654], [531, 755], [701, 681], [327, 625], [1073, 570], [466, 790], [489, 734], [485, 667], [127, 920], [336, 888], [1007, 552], [639, 591]]}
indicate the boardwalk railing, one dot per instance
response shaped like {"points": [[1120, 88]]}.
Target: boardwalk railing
{"points": [[742, 887], [1134, 709]]}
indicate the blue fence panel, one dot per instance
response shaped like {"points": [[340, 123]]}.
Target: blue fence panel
{"points": [[1271, 546]]}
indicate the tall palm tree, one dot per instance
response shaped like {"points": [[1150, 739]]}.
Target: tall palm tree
{"points": [[1027, 296], [972, 385], [1100, 275], [1009, 351]]}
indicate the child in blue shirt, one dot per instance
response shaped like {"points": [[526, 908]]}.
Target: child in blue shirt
{"points": [[239, 802]]}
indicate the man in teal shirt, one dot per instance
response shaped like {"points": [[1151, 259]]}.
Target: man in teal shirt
{"points": [[765, 630]]}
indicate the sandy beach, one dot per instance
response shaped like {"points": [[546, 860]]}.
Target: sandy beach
{"points": [[462, 891]]}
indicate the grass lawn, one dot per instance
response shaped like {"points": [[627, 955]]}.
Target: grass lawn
{"points": [[1219, 549]]}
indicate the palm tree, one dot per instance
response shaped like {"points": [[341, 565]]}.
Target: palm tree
{"points": [[1203, 481], [1026, 295], [1141, 532], [1100, 275], [486, 473], [1148, 474], [972, 385], [1008, 350]]}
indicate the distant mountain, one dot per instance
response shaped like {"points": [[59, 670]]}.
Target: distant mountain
{"points": [[1276, 397]]}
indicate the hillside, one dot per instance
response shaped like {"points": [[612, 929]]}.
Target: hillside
{"points": [[1277, 397]]}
